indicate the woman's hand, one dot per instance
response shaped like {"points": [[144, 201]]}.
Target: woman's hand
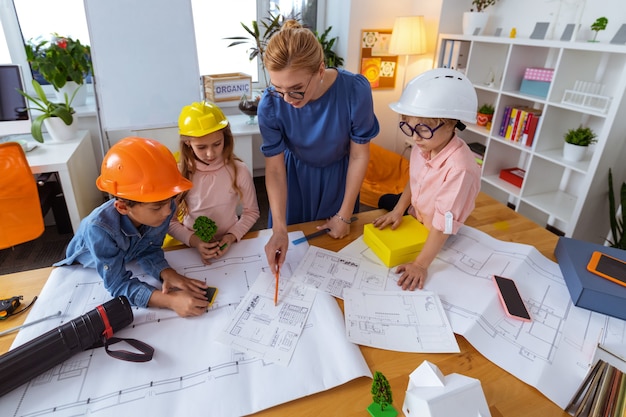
{"points": [[276, 250], [392, 218], [338, 228]]}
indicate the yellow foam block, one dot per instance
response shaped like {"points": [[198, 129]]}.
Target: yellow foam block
{"points": [[395, 247]]}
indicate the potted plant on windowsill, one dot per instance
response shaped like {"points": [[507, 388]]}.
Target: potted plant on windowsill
{"points": [[476, 19], [63, 62], [57, 117], [576, 143]]}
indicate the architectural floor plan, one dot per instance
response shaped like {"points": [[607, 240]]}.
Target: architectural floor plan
{"points": [[554, 351], [191, 373]]}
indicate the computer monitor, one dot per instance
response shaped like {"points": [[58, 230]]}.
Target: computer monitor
{"points": [[14, 115]]}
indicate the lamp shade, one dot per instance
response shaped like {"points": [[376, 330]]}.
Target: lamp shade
{"points": [[408, 36]]}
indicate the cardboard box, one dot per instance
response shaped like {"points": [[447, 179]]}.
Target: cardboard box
{"points": [[226, 87], [513, 175], [395, 247], [535, 88], [587, 289]]}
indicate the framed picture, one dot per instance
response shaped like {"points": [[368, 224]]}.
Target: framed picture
{"points": [[377, 65]]}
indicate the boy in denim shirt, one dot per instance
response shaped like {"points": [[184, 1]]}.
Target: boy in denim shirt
{"points": [[143, 177]]}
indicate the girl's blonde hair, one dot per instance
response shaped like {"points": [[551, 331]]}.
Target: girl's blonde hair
{"points": [[293, 47], [187, 165]]}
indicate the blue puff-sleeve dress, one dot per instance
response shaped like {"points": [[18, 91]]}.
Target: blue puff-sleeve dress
{"points": [[316, 140]]}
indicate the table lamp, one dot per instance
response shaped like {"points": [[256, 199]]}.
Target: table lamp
{"points": [[408, 38]]}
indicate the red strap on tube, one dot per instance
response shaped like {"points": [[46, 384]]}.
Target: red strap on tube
{"points": [[108, 330]]}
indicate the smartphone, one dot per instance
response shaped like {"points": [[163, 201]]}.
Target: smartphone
{"points": [[608, 267], [211, 293], [510, 298]]}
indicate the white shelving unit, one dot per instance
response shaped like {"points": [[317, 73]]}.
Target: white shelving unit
{"points": [[570, 197]]}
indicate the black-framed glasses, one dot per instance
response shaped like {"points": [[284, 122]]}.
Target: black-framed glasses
{"points": [[298, 95], [420, 129]]}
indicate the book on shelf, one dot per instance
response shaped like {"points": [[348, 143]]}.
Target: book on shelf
{"points": [[519, 124]]}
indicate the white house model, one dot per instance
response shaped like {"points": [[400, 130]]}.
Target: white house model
{"points": [[431, 394]]}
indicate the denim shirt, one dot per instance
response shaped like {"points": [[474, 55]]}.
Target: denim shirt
{"points": [[106, 240]]}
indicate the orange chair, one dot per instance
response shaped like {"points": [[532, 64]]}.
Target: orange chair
{"points": [[387, 173], [21, 218]]}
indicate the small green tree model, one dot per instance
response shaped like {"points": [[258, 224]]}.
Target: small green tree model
{"points": [[204, 228], [381, 390], [598, 25]]}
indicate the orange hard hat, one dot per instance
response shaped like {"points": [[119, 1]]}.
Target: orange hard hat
{"points": [[142, 170]]}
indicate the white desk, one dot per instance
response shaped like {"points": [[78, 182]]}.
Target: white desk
{"points": [[75, 162]]}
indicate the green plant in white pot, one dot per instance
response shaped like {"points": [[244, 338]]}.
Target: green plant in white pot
{"points": [[576, 143], [62, 112], [476, 19]]}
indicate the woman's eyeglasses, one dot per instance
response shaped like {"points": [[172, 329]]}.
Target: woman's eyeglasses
{"points": [[297, 95], [420, 129]]}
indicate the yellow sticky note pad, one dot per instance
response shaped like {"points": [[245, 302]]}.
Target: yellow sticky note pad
{"points": [[395, 247]]}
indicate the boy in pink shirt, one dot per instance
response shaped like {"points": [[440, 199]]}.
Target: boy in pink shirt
{"points": [[444, 177]]}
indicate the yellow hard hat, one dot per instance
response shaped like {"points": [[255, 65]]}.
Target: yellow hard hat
{"points": [[142, 170], [199, 119]]}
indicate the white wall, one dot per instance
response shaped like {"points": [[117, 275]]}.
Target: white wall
{"points": [[372, 14]]}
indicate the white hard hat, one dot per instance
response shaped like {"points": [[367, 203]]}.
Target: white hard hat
{"points": [[439, 93]]}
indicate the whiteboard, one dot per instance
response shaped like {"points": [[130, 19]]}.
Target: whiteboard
{"points": [[145, 62]]}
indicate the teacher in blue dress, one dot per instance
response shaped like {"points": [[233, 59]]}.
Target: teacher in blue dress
{"points": [[316, 124]]}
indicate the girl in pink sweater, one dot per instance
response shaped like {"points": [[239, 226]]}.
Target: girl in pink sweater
{"points": [[222, 183]]}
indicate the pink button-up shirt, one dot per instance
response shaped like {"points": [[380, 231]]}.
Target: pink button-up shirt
{"points": [[443, 189]]}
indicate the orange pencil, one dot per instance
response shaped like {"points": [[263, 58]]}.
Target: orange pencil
{"points": [[277, 275]]}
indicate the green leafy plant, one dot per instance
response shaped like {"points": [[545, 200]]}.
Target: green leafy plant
{"points": [[48, 109], [204, 228], [618, 239], [581, 136], [259, 37], [381, 391], [261, 34], [60, 60], [482, 4], [486, 109], [598, 25], [331, 59]]}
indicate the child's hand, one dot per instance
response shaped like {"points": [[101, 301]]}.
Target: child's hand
{"points": [[187, 304], [172, 281], [413, 276], [225, 244], [391, 218]]}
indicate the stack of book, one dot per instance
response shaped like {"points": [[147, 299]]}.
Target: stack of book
{"points": [[519, 124], [602, 393]]}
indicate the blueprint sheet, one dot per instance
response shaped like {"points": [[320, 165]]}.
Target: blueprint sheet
{"points": [[405, 321], [268, 331], [553, 352], [330, 272], [191, 374]]}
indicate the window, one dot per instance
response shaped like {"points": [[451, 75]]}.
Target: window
{"points": [[212, 26]]}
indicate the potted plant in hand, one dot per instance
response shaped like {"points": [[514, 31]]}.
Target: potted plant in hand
{"points": [[63, 62], [484, 114], [576, 143], [57, 117], [476, 19]]}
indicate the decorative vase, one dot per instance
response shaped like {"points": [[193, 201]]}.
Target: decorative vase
{"points": [[249, 107], [482, 119], [574, 153], [70, 86], [59, 131], [474, 22]]}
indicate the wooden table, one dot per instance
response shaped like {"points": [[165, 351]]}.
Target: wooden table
{"points": [[506, 395]]}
